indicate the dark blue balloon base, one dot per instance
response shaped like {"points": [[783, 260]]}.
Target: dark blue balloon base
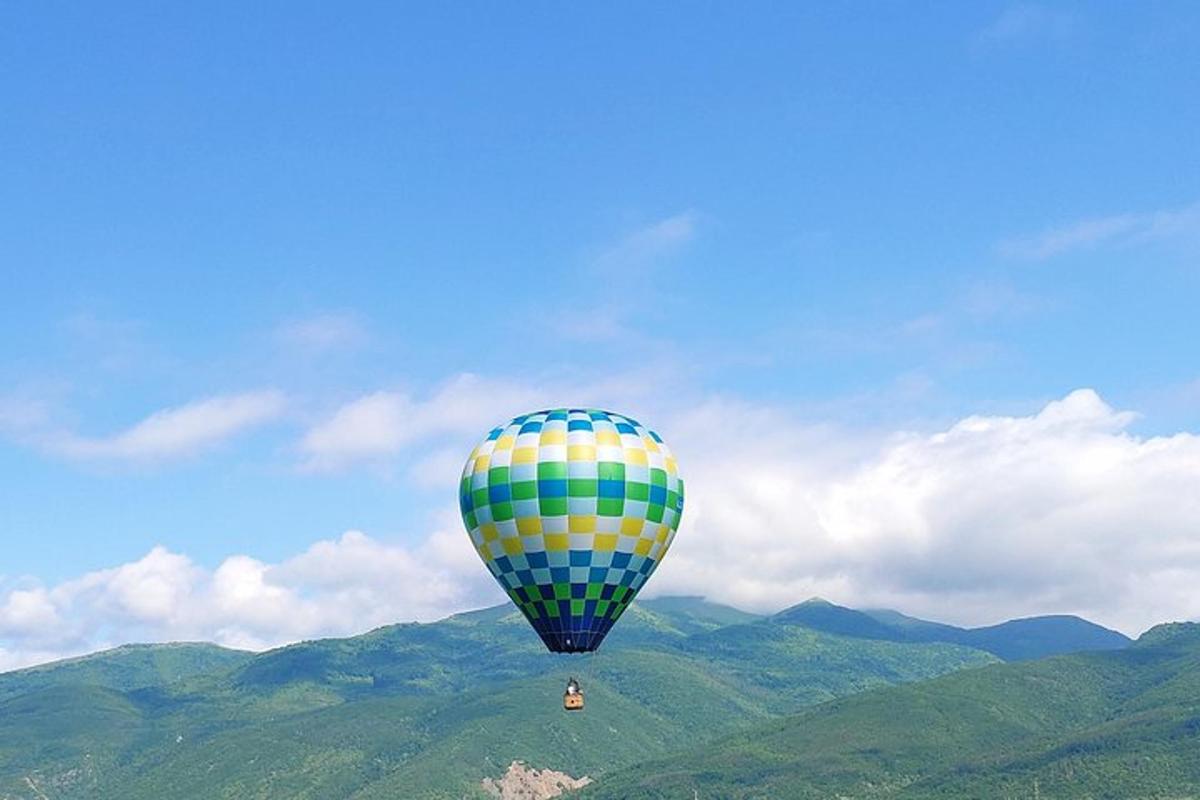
{"points": [[573, 637]]}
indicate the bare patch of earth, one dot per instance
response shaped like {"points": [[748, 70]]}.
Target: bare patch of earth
{"points": [[522, 782]]}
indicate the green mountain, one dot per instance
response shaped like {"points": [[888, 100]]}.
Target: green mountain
{"points": [[424, 711], [1114, 724], [1034, 637], [130, 666]]}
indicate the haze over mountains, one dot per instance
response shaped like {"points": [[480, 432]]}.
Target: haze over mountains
{"points": [[434, 710]]}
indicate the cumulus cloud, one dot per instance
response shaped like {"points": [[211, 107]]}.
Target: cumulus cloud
{"points": [[335, 587], [170, 433], [1060, 511], [1064, 510], [1118, 229]]}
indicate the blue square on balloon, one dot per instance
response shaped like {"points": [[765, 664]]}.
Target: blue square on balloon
{"points": [[597, 574], [525, 576], [560, 574], [658, 495], [531, 427], [620, 560], [537, 560], [615, 489], [578, 591], [581, 558], [552, 487], [625, 427], [499, 493], [579, 425], [503, 564]]}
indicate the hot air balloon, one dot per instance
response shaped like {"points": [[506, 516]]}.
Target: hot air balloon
{"points": [[571, 510]]}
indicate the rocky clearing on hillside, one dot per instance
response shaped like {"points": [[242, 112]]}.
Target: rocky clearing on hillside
{"points": [[522, 782]]}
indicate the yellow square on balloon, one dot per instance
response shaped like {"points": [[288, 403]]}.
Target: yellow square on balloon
{"points": [[525, 455], [608, 438], [488, 529], [529, 525], [634, 455], [643, 547], [582, 523], [631, 526], [604, 542], [581, 452], [512, 547], [557, 542]]}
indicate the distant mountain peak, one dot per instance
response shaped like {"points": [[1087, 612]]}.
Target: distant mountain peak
{"points": [[1170, 633], [821, 615]]}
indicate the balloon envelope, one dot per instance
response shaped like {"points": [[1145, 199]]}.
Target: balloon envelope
{"points": [[571, 510]]}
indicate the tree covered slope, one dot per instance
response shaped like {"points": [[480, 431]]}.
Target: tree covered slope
{"points": [[1116, 724], [426, 710]]}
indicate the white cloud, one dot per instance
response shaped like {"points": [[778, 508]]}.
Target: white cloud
{"points": [[1023, 22], [638, 257], [1060, 511], [643, 246], [336, 587], [380, 425], [1119, 229], [27, 611], [174, 432], [995, 517], [322, 333], [444, 424]]}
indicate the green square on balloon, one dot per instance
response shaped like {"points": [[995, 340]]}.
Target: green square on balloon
{"points": [[636, 490], [610, 506], [502, 511], [524, 490], [552, 470], [611, 471], [552, 506], [582, 487], [658, 477], [654, 512]]}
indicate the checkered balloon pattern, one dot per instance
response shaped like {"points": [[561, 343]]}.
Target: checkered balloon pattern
{"points": [[571, 510]]}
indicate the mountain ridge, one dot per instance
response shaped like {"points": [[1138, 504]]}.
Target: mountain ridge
{"points": [[431, 710], [1115, 723]]}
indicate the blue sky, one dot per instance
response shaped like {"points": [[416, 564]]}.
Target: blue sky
{"points": [[873, 221]]}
